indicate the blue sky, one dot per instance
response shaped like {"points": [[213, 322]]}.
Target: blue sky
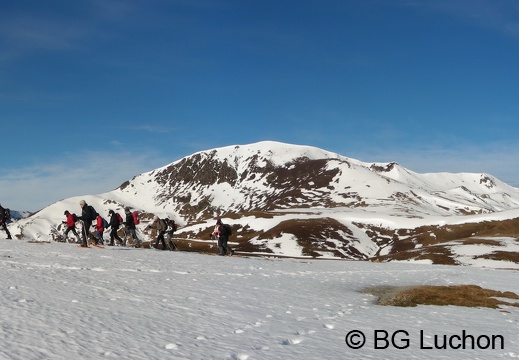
{"points": [[93, 92]]}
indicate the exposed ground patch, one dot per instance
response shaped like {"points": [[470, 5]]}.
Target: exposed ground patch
{"points": [[456, 295]]}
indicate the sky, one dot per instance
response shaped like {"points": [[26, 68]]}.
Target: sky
{"points": [[94, 92], [64, 302]]}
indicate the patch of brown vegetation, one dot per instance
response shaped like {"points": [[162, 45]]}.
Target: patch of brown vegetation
{"points": [[314, 235], [456, 295], [438, 255], [501, 256], [447, 233], [401, 246], [485, 242], [433, 236]]}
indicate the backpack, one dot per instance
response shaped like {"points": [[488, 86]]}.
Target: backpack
{"points": [[171, 225], [105, 223], [135, 215], [119, 217], [93, 212], [227, 229], [75, 218]]}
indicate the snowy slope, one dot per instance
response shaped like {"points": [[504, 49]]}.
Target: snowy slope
{"points": [[63, 302]]}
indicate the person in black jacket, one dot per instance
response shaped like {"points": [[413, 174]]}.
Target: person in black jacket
{"points": [[222, 233], [4, 218], [130, 228], [114, 224], [87, 217]]}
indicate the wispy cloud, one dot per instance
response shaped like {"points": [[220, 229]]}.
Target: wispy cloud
{"points": [[29, 32], [152, 129], [32, 188], [500, 15], [34, 29], [115, 10]]}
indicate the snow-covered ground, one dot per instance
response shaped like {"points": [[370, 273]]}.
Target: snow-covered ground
{"points": [[59, 301]]}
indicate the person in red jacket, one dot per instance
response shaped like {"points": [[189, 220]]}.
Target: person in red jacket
{"points": [[71, 226], [99, 230]]}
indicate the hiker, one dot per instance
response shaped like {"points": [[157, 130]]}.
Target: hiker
{"points": [[5, 216], [87, 217], [99, 230], [129, 225], [160, 226], [171, 227], [71, 225], [222, 232], [114, 223]]}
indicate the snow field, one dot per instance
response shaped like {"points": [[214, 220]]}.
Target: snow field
{"points": [[61, 302]]}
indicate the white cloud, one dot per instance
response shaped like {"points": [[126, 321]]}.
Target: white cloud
{"points": [[32, 188], [30, 32]]}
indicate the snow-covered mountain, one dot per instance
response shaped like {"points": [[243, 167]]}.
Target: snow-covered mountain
{"points": [[17, 215], [295, 200]]}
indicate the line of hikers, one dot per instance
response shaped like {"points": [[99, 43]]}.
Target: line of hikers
{"points": [[90, 217], [164, 227]]}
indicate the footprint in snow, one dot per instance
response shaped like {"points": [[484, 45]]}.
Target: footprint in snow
{"points": [[172, 346], [293, 341], [302, 332], [239, 356]]}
